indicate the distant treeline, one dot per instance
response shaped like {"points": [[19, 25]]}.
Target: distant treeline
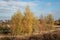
{"points": [[57, 22]]}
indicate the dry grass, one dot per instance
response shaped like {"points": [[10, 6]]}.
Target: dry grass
{"points": [[47, 36]]}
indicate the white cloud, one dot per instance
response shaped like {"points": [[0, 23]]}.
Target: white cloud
{"points": [[3, 3], [17, 3], [9, 0], [48, 4], [12, 6], [20, 0]]}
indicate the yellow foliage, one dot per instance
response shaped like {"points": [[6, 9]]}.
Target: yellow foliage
{"points": [[17, 22]]}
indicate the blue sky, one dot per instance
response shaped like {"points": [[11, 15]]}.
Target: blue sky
{"points": [[44, 7]]}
